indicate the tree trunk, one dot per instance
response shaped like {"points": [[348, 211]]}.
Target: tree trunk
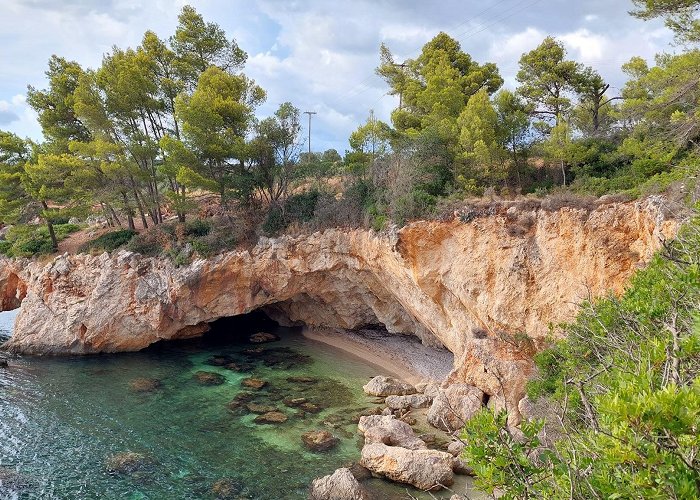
{"points": [[49, 226], [129, 212], [563, 172]]}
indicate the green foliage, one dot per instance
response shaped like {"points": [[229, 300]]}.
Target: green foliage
{"points": [[197, 228], [518, 466], [625, 383], [109, 242], [298, 208], [680, 15], [29, 241]]}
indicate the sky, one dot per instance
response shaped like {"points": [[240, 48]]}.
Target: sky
{"points": [[318, 54]]}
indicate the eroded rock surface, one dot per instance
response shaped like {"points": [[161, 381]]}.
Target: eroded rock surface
{"points": [[341, 485], [424, 469], [469, 284], [388, 430]]}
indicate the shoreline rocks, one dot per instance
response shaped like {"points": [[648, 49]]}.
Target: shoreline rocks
{"points": [[454, 405], [424, 469], [388, 386], [341, 485]]}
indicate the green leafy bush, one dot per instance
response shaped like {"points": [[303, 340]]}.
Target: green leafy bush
{"points": [[625, 384], [297, 208], [109, 242], [197, 228]]}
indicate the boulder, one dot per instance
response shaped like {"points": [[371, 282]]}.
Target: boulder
{"points": [[272, 417], [209, 378], [262, 338], [341, 485], [406, 402], [424, 469], [455, 448], [388, 386], [453, 406], [143, 384], [390, 431], [253, 383], [319, 440]]}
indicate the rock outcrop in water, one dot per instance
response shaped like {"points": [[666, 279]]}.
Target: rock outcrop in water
{"points": [[471, 284]]}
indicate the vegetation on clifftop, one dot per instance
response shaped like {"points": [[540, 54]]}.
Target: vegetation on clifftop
{"points": [[143, 139]]}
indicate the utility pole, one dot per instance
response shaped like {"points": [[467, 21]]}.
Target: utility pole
{"points": [[309, 113], [403, 67]]}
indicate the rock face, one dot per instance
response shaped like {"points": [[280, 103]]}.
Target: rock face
{"points": [[453, 406], [341, 485], [386, 429], [424, 469], [468, 284]]}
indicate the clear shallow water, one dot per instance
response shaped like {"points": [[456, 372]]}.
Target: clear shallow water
{"points": [[62, 418]]}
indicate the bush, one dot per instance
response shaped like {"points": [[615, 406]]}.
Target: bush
{"points": [[296, 208], [109, 242], [197, 228], [625, 385]]}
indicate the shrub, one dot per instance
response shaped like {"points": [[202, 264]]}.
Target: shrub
{"points": [[109, 242], [297, 208], [197, 228]]}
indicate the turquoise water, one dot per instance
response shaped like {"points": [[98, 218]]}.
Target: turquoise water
{"points": [[63, 419]]}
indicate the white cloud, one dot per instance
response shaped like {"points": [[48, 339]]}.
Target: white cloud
{"points": [[317, 54]]}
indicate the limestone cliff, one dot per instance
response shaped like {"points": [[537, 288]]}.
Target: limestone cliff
{"points": [[469, 284]]}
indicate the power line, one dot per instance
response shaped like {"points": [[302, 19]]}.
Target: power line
{"points": [[310, 113]]}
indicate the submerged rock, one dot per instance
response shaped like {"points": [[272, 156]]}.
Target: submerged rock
{"points": [[453, 406], [311, 407], [294, 402], [240, 400], [142, 384], [220, 360], [253, 383], [225, 489], [127, 462], [319, 440], [3, 363], [273, 417], [238, 367], [341, 485], [388, 386], [390, 431], [262, 338], [209, 378], [424, 469]]}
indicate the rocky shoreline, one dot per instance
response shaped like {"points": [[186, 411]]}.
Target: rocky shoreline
{"points": [[392, 450]]}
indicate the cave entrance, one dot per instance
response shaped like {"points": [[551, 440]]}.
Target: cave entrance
{"points": [[238, 329]]}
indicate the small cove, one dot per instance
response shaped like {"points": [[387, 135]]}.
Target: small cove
{"points": [[62, 418]]}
